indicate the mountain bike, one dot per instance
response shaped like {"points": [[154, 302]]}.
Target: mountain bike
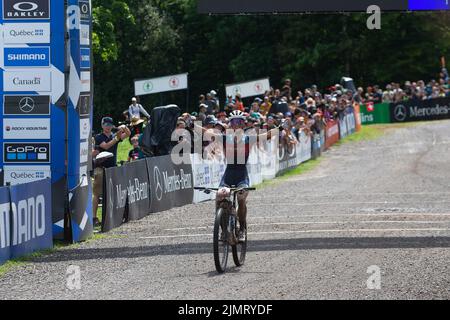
{"points": [[226, 230]]}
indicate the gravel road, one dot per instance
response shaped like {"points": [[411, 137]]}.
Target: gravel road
{"points": [[374, 205]]}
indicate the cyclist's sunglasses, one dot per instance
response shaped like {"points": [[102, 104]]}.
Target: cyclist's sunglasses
{"points": [[236, 122]]}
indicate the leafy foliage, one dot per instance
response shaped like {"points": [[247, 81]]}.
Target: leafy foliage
{"points": [[150, 38]]}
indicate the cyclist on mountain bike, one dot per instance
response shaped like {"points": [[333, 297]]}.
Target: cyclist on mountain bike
{"points": [[237, 148]]}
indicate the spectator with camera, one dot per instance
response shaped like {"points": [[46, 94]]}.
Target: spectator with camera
{"points": [[106, 141]]}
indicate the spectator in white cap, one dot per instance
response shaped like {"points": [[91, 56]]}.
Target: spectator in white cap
{"points": [[215, 98], [135, 110]]}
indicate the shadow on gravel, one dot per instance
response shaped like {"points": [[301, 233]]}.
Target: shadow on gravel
{"points": [[253, 246]]}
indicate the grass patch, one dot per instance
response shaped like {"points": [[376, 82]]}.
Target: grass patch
{"points": [[367, 133]]}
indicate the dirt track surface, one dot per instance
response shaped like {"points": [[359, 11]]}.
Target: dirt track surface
{"points": [[383, 203]]}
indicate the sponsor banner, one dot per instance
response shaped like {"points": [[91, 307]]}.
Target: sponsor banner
{"points": [[31, 217], [26, 152], [39, 81], [248, 89], [358, 117], [162, 84], [24, 33], [332, 133], [27, 57], [25, 10], [254, 166], [351, 123], [84, 152], [85, 58], [83, 176], [5, 225], [137, 187], [343, 131], [85, 129], [85, 10], [25, 174], [81, 212], [114, 209], [315, 147], [19, 129], [126, 194], [85, 36], [202, 175], [171, 185], [433, 109], [28, 105], [268, 158], [85, 81], [378, 113], [287, 158], [84, 105], [305, 147], [322, 140]]}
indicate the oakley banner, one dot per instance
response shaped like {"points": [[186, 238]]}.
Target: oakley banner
{"points": [[171, 185]]}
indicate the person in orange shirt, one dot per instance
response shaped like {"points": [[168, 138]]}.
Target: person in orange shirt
{"points": [[239, 105]]}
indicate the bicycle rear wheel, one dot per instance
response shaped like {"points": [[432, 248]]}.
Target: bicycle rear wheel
{"points": [[220, 241], [240, 250]]}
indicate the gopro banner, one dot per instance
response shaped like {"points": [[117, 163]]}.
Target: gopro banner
{"points": [[420, 110], [171, 185]]}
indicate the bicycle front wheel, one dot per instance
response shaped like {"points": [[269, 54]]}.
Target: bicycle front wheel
{"points": [[239, 251], [220, 241]]}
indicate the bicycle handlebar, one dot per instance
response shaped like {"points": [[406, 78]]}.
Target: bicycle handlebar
{"points": [[217, 189]]}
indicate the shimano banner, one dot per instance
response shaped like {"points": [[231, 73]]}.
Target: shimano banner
{"points": [[171, 185], [31, 218], [5, 225], [418, 110]]}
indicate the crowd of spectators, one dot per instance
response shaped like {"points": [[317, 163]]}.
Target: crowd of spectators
{"points": [[411, 90]]}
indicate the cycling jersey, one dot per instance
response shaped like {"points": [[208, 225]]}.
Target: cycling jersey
{"points": [[236, 173]]}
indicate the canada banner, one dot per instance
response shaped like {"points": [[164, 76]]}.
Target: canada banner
{"points": [[332, 133]]}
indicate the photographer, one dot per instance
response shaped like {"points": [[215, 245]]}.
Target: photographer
{"points": [[106, 141]]}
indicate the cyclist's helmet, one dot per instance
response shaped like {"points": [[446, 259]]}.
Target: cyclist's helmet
{"points": [[237, 114]]}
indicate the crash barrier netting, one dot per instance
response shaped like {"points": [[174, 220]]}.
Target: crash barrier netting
{"points": [[156, 184], [406, 111], [25, 219]]}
